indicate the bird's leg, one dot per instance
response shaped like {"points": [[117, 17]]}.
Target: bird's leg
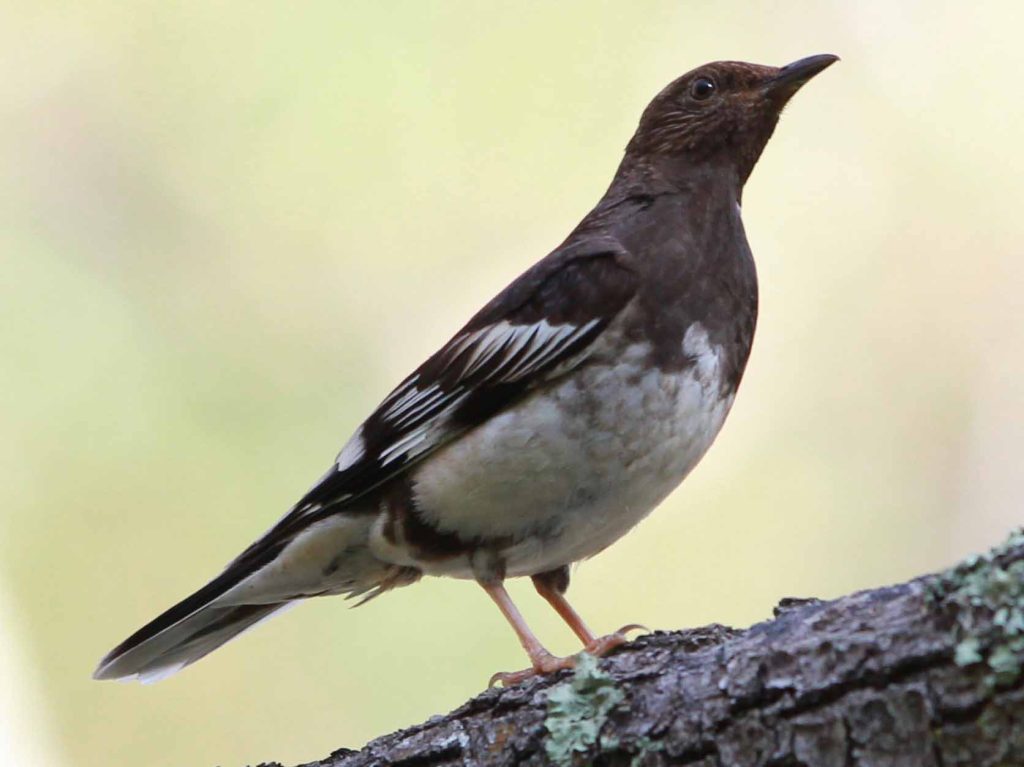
{"points": [[552, 585], [541, 661]]}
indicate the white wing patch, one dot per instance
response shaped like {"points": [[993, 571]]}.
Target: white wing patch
{"points": [[517, 350], [514, 351], [416, 406], [400, 397], [421, 439], [548, 342], [499, 353]]}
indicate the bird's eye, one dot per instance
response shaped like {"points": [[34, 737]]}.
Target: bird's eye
{"points": [[702, 88]]}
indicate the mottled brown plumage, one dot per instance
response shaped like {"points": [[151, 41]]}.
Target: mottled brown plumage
{"points": [[557, 417]]}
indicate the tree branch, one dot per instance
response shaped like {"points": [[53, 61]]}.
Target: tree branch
{"points": [[923, 673]]}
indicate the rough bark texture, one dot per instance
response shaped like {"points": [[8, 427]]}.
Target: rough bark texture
{"points": [[923, 673]]}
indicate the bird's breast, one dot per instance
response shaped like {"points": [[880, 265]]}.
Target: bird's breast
{"points": [[567, 471]]}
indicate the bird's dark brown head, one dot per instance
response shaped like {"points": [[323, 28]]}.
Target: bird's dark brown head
{"points": [[721, 115]]}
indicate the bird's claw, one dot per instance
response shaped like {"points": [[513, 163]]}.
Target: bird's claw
{"points": [[512, 678], [603, 645], [542, 664], [548, 664]]}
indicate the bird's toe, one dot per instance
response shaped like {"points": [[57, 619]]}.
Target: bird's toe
{"points": [[542, 664], [603, 645]]}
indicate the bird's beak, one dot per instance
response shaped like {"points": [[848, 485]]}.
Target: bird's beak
{"points": [[791, 77]]}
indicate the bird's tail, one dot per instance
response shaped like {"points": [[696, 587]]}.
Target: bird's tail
{"points": [[182, 635], [330, 556]]}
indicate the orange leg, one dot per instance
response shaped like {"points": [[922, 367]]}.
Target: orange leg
{"points": [[548, 587], [542, 662]]}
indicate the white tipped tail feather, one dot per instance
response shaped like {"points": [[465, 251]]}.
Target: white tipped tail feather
{"points": [[171, 649], [328, 557]]}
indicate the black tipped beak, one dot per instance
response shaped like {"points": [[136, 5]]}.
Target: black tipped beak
{"points": [[792, 76]]}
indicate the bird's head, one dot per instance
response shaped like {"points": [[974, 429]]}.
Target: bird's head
{"points": [[720, 114]]}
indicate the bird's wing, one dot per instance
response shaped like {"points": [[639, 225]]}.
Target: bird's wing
{"points": [[539, 327]]}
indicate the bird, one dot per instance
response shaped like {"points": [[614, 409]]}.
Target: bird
{"points": [[555, 419]]}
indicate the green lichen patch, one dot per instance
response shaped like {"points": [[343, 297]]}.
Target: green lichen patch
{"points": [[987, 596], [578, 709], [642, 748]]}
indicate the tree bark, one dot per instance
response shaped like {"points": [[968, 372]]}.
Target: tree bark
{"points": [[923, 673]]}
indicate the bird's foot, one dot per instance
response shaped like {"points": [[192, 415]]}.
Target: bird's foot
{"points": [[546, 663], [600, 646], [543, 663]]}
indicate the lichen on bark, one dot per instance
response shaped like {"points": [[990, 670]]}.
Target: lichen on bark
{"points": [[985, 594], [577, 709]]}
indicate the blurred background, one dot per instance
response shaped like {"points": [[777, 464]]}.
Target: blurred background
{"points": [[227, 229]]}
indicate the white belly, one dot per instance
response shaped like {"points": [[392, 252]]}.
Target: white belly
{"points": [[571, 469]]}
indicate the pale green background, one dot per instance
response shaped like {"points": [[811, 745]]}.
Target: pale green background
{"points": [[227, 229]]}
